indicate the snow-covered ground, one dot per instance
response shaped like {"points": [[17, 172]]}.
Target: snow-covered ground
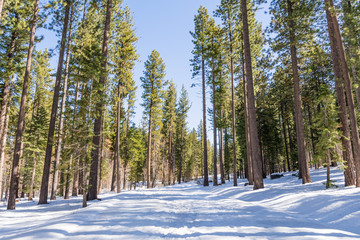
{"points": [[285, 209]]}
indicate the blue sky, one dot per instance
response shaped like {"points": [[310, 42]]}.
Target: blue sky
{"points": [[164, 25]]}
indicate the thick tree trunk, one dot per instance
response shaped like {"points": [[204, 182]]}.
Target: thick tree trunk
{"points": [[61, 118], [21, 120], [50, 141], [300, 133], [346, 138], [255, 148], [95, 153], [250, 174], [206, 171]]}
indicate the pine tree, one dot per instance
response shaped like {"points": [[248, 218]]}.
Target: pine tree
{"points": [[201, 25], [95, 153], [341, 71], [152, 83], [21, 120], [183, 107], [124, 57], [169, 124], [46, 171]]}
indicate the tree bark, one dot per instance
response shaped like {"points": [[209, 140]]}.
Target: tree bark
{"points": [[95, 153], [250, 174], [254, 139], [21, 120], [206, 171], [50, 141], [346, 137], [300, 133]]}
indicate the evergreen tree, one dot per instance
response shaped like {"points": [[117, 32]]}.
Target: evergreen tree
{"points": [[183, 107], [21, 120], [152, 83], [198, 63], [169, 124]]}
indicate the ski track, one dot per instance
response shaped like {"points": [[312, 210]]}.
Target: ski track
{"points": [[285, 209]]}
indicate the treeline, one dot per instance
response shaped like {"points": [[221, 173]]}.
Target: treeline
{"points": [[281, 100], [73, 132]]}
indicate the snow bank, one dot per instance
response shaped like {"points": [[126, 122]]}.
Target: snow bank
{"points": [[285, 209]]}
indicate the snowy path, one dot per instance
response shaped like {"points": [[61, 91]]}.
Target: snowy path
{"points": [[285, 209]]}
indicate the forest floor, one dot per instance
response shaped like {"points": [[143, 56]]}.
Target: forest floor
{"points": [[285, 209]]}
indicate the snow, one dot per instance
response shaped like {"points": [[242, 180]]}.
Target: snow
{"points": [[285, 209]]}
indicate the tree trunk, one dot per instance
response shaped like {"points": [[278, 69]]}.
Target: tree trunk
{"points": [[300, 134], [2, 156], [113, 177], [346, 138], [285, 139], [95, 153], [84, 189], [222, 171], [62, 116], [233, 105], [250, 174], [215, 180], [76, 171], [206, 171], [50, 141], [21, 120], [170, 165], [117, 141], [328, 158], [148, 160], [4, 108], [254, 139], [31, 191], [68, 179], [181, 154]]}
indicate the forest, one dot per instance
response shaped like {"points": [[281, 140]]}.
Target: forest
{"points": [[276, 99]]}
